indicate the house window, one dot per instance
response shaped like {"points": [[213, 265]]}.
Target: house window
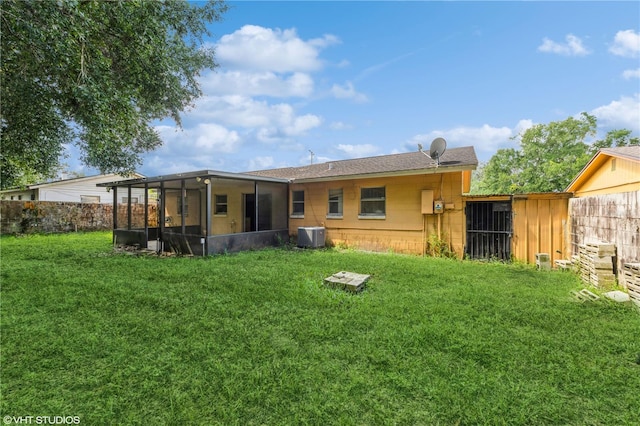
{"points": [[19, 197], [298, 203], [220, 207], [125, 200], [89, 198], [12, 197], [33, 197], [335, 203], [180, 207], [372, 202]]}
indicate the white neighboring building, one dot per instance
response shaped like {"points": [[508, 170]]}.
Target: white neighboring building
{"points": [[76, 190]]}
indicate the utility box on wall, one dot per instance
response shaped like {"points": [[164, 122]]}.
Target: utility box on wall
{"points": [[427, 201], [438, 206]]}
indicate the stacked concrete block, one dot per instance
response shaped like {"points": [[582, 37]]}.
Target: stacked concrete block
{"points": [[596, 261], [631, 272], [543, 261]]}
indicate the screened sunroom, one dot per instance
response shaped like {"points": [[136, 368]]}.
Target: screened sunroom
{"points": [[200, 213]]}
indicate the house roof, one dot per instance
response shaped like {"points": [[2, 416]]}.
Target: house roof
{"points": [[408, 163], [70, 180], [631, 153], [82, 179], [628, 152]]}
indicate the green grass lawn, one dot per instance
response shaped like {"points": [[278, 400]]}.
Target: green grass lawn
{"points": [[255, 338]]}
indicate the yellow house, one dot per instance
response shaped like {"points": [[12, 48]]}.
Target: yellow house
{"points": [[610, 171], [606, 203], [393, 202]]}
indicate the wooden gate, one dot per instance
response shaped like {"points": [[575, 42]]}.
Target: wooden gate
{"points": [[489, 230]]}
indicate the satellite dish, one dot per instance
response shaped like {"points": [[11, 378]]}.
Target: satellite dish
{"points": [[438, 147]]}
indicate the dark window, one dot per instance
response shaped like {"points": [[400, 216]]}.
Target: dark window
{"points": [[372, 201], [335, 202], [298, 203], [221, 204], [89, 198]]}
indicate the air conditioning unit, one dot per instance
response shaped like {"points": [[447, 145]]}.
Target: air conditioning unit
{"points": [[311, 236]]}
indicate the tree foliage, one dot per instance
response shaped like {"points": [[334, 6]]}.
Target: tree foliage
{"points": [[95, 73], [549, 157]]}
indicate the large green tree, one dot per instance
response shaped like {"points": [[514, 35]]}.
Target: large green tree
{"points": [[549, 157], [96, 74]]}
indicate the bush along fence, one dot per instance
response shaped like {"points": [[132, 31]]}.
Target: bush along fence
{"points": [[24, 217]]}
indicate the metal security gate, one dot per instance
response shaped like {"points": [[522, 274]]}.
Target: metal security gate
{"points": [[489, 230]]}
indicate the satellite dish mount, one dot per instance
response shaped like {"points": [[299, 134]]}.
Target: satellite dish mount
{"points": [[438, 147]]}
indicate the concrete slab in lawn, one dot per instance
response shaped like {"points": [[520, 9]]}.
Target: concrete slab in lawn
{"points": [[349, 281], [617, 295]]}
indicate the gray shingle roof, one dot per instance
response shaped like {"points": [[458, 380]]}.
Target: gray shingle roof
{"points": [[631, 152], [453, 159]]}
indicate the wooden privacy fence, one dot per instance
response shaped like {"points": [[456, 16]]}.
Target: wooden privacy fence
{"points": [[612, 218], [20, 217]]}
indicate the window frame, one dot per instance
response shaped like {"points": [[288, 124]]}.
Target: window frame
{"points": [[90, 199], [294, 203], [134, 200], [383, 199], [339, 202], [217, 204]]}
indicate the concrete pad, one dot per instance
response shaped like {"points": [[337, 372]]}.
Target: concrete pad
{"points": [[349, 281], [617, 296]]}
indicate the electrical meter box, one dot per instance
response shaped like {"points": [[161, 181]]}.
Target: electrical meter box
{"points": [[438, 206], [427, 201]]}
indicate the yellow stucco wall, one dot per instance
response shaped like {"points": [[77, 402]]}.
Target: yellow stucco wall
{"points": [[234, 220], [231, 222], [171, 208], [403, 229]]}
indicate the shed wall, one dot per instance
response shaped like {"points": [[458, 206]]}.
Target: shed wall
{"points": [[540, 226]]}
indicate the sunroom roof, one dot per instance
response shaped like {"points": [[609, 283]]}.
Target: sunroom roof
{"points": [[154, 182]]}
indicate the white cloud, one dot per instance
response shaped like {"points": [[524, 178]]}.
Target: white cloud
{"points": [[264, 49], [201, 147], [347, 91], [624, 113], [629, 74], [268, 119], [522, 126], [300, 125], [339, 125], [261, 163], [358, 151], [626, 43], [572, 47], [202, 139], [263, 83], [485, 139]]}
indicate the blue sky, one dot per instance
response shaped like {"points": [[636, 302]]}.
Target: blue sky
{"points": [[356, 79]]}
